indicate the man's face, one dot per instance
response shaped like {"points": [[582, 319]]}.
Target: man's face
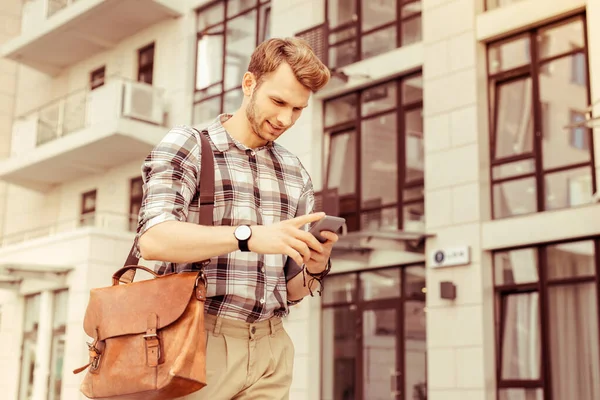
{"points": [[276, 104]]}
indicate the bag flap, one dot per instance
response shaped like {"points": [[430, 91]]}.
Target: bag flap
{"points": [[124, 309]]}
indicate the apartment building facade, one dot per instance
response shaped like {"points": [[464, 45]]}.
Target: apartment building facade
{"points": [[453, 137]]}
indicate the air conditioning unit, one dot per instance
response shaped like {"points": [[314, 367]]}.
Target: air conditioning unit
{"points": [[142, 102]]}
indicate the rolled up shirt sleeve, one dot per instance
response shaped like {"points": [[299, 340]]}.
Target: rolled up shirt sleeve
{"points": [[170, 175]]}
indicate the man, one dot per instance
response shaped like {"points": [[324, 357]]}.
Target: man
{"points": [[263, 200]]}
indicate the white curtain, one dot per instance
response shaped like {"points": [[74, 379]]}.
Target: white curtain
{"points": [[574, 342]]}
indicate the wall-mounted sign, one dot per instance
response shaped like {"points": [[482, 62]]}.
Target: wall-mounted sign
{"points": [[450, 257]]}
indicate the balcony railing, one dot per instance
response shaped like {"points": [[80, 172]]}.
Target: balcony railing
{"points": [[112, 221], [81, 109]]}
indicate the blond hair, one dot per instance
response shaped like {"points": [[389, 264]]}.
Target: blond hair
{"points": [[297, 53]]}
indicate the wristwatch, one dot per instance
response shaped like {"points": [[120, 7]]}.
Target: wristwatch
{"points": [[243, 233]]}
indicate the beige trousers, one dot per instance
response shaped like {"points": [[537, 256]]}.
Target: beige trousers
{"points": [[246, 361]]}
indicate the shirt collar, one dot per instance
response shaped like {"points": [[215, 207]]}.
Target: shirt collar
{"points": [[223, 141]]}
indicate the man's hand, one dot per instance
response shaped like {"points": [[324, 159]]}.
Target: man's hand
{"points": [[287, 238], [318, 259]]}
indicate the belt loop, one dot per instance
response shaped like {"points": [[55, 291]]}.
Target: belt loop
{"points": [[272, 326], [217, 328]]}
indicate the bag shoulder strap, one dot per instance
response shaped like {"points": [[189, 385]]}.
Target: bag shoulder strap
{"points": [[207, 198]]}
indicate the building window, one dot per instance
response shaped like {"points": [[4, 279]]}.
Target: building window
{"points": [[493, 4], [57, 355], [146, 64], [360, 29], [376, 156], [29, 347], [228, 33], [88, 208], [135, 201], [532, 95], [374, 335], [547, 321], [97, 78]]}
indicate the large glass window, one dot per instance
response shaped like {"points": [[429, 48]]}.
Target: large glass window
{"points": [[359, 29], [29, 350], [374, 335], [539, 86], [57, 356], [228, 33], [547, 322], [376, 156]]}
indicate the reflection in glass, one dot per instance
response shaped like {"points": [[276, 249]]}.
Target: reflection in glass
{"points": [[235, 7], [514, 119], [516, 168], [264, 32], [412, 31], [515, 198], [342, 161], [341, 110], [414, 217], [380, 284], [207, 110], [340, 289], [379, 349], [521, 336], [377, 13], [339, 358], [504, 56], [379, 162], [378, 42], [491, 4], [568, 188], [515, 266], [380, 220], [233, 100], [563, 96], [415, 151], [342, 55], [414, 282], [28, 356], [569, 260], [561, 38], [241, 38], [413, 193], [412, 90], [521, 394], [211, 16], [209, 60], [341, 12], [415, 349], [573, 329], [378, 98]]}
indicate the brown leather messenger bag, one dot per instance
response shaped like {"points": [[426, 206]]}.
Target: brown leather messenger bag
{"points": [[148, 336]]}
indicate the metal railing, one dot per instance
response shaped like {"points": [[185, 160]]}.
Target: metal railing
{"points": [[77, 110], [111, 221]]}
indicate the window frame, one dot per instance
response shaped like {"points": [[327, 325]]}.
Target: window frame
{"points": [[83, 211], [147, 67], [359, 306], [532, 70], [133, 200], [356, 24], [351, 204], [541, 287], [96, 75], [257, 7]]}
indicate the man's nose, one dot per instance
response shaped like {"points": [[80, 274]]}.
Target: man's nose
{"points": [[284, 119]]}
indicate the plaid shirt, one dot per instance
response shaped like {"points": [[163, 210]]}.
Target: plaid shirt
{"points": [[258, 186]]}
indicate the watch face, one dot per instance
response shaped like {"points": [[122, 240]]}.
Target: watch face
{"points": [[243, 232]]}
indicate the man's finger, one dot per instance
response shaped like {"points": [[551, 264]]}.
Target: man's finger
{"points": [[299, 222]]}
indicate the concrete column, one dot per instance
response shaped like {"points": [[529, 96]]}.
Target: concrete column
{"points": [[455, 199], [44, 347]]}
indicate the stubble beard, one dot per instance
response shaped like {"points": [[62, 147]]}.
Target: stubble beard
{"points": [[251, 116]]}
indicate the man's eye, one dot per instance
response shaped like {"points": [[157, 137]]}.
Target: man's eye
{"points": [[278, 102]]}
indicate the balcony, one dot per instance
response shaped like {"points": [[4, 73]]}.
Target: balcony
{"points": [[86, 132], [59, 33]]}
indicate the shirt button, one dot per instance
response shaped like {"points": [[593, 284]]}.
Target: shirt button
{"points": [[252, 153], [262, 301], [263, 269], [253, 330]]}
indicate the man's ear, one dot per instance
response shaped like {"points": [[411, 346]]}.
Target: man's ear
{"points": [[248, 83]]}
